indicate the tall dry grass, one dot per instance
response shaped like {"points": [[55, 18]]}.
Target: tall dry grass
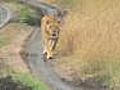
{"points": [[92, 30], [89, 42]]}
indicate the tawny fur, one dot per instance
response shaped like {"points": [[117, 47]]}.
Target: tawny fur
{"points": [[50, 31]]}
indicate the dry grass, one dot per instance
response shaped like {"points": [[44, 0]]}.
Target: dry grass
{"points": [[93, 31], [90, 42]]}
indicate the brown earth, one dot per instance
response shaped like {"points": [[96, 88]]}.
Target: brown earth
{"points": [[15, 35]]}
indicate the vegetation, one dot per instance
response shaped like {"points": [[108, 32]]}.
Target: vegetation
{"points": [[25, 78], [11, 35], [89, 43], [28, 80], [24, 13]]}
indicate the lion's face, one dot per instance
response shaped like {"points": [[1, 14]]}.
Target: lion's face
{"points": [[51, 25], [53, 28]]}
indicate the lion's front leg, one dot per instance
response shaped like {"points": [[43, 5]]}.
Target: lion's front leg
{"points": [[49, 50], [45, 47]]}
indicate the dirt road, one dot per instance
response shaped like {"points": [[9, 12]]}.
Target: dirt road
{"points": [[39, 67]]}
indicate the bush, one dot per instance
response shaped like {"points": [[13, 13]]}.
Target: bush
{"points": [[25, 15]]}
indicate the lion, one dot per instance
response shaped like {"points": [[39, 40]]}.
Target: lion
{"points": [[50, 32]]}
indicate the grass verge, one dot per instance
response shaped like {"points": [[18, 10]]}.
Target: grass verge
{"points": [[27, 80]]}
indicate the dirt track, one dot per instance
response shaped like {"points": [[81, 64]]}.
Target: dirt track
{"points": [[39, 67]]}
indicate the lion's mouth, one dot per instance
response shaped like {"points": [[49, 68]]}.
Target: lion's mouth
{"points": [[54, 34]]}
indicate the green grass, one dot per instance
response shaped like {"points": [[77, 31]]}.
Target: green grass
{"points": [[26, 14], [29, 80], [26, 79]]}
